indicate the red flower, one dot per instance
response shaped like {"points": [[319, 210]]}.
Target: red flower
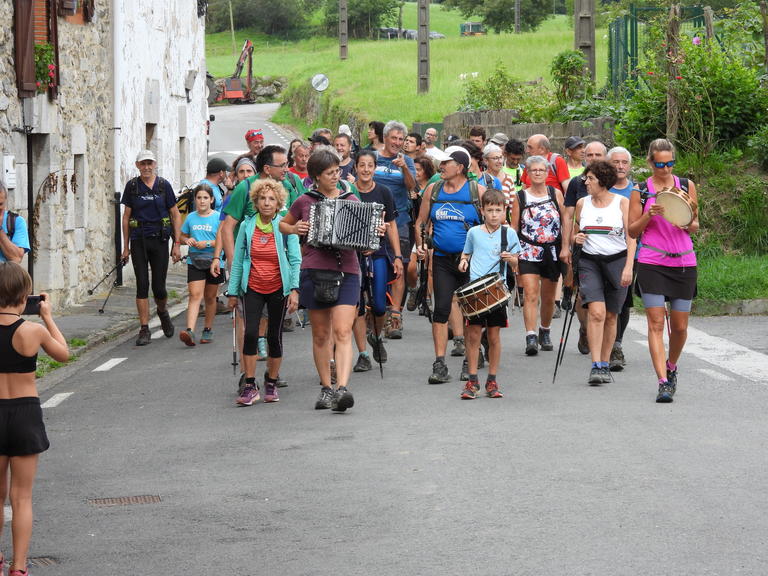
{"points": [[650, 73], [51, 66], [38, 84], [51, 74], [678, 77]]}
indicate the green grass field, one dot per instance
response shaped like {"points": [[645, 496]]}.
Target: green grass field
{"points": [[379, 78]]}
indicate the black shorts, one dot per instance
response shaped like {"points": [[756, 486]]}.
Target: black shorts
{"points": [[22, 432], [496, 319], [195, 275], [539, 269]]}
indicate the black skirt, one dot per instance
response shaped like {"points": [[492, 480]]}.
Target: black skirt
{"points": [[675, 283]]}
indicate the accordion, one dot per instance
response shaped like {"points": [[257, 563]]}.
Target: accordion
{"points": [[345, 224]]}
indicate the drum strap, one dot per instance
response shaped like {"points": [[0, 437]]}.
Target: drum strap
{"points": [[503, 248], [668, 254]]}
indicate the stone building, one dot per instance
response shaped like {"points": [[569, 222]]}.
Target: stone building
{"points": [[124, 75]]}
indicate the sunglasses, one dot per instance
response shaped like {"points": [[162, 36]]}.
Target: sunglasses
{"points": [[663, 164]]}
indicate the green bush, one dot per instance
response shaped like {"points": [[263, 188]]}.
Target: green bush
{"points": [[749, 218], [758, 146], [570, 74]]}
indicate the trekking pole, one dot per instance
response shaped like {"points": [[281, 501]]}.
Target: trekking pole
{"points": [[234, 341], [107, 275], [369, 295], [564, 337], [112, 287]]}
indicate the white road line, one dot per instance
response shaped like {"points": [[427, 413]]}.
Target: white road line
{"points": [[109, 364], [56, 399], [8, 513], [715, 375], [720, 352]]}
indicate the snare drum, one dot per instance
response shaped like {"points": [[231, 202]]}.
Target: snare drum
{"points": [[677, 206], [482, 296]]}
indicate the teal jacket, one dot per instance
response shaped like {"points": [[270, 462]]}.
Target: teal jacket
{"points": [[288, 256]]}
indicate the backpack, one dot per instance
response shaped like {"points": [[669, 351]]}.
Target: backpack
{"points": [[474, 197], [10, 224], [642, 187], [523, 204], [185, 202], [552, 164]]}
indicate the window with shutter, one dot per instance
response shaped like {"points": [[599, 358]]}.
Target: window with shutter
{"points": [[24, 48]]}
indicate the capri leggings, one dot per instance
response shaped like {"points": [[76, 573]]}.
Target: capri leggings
{"points": [[658, 301], [378, 283], [149, 253], [253, 304], [446, 278]]}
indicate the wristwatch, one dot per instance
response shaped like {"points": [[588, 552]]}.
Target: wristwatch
{"points": [[398, 257]]}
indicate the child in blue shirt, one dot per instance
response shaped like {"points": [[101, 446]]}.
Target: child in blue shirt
{"points": [[483, 252]]}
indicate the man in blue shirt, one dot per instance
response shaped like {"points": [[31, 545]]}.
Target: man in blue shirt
{"points": [[13, 247], [217, 176], [397, 172]]}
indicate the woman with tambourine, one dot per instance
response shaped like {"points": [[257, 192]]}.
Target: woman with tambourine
{"points": [[663, 214]]}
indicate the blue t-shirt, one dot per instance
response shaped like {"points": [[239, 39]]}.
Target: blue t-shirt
{"points": [[217, 193], [20, 234], [626, 192], [452, 215], [201, 228], [150, 208], [392, 177], [486, 249]]}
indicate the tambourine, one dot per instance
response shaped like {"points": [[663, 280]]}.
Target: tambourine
{"points": [[679, 209]]}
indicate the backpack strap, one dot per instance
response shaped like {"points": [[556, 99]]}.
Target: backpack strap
{"points": [[503, 248], [10, 224], [552, 164]]}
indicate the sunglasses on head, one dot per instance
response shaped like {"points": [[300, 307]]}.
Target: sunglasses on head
{"points": [[663, 164]]}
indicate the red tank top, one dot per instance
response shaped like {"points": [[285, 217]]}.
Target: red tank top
{"points": [[265, 267]]}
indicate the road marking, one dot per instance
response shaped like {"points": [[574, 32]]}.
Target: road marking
{"points": [[56, 399], [158, 334], [109, 364], [720, 352], [715, 375]]}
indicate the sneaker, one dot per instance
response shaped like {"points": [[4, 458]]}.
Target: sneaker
{"points": [[144, 337], [363, 364], [545, 341], [377, 348], [288, 325], [324, 399], [394, 329], [492, 390], [207, 336], [558, 311], [241, 384], [531, 345], [605, 374], [617, 360], [665, 393], [595, 376], [342, 399], [464, 376], [280, 382], [166, 323], [270, 392], [440, 373], [583, 344], [459, 349], [480, 360], [15, 572], [411, 303], [249, 396], [262, 349], [188, 337], [469, 392], [672, 380]]}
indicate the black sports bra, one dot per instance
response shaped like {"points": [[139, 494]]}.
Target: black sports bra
{"points": [[11, 362]]}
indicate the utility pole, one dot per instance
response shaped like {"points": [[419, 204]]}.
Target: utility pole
{"points": [[584, 31], [232, 29], [517, 16], [423, 38], [343, 39]]}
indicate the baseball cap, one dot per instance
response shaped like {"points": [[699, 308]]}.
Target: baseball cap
{"points": [[574, 142], [217, 165], [458, 154], [146, 155], [254, 134], [499, 139], [344, 129]]}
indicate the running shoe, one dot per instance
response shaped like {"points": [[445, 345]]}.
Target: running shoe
{"points": [[241, 384], [207, 336], [166, 323], [464, 377], [188, 337], [280, 382], [262, 349], [363, 364], [459, 349], [469, 392], [583, 344], [605, 374], [411, 304], [394, 329], [531, 345], [15, 572], [324, 399], [342, 399], [595, 376], [144, 337], [672, 380], [270, 392], [545, 341], [617, 361], [492, 390], [440, 373], [665, 393], [249, 396], [377, 348], [558, 311]]}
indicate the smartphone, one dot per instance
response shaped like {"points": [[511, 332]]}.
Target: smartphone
{"points": [[33, 306]]}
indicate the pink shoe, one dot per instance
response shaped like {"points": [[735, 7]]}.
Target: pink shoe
{"points": [[24, 572]]}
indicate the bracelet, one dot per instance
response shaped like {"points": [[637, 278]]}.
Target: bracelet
{"points": [[398, 257], [216, 258]]}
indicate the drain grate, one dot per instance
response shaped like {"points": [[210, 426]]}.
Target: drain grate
{"points": [[42, 561], [124, 500]]}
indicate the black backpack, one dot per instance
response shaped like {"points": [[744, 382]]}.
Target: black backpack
{"points": [[11, 223]]}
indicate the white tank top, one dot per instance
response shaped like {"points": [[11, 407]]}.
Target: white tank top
{"points": [[604, 227]]}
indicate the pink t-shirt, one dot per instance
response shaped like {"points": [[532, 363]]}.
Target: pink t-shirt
{"points": [[664, 236]]}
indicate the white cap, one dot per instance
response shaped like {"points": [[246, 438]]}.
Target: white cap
{"points": [[146, 155], [344, 129]]}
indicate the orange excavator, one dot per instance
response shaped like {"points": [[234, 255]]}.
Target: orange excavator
{"points": [[232, 88]]}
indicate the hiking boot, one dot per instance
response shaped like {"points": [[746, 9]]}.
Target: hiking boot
{"points": [[207, 336], [377, 348], [558, 311], [665, 393], [280, 382], [605, 374], [261, 345], [288, 325], [144, 337], [617, 361], [394, 328], [241, 384], [672, 380], [531, 345], [411, 303], [342, 399], [439, 373], [188, 337], [492, 390], [459, 349], [583, 344], [595, 376], [166, 323], [363, 364], [469, 392], [249, 396], [545, 341], [464, 376], [270, 392], [324, 399]]}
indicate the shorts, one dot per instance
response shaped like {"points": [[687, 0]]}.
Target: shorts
{"points": [[496, 319], [537, 269], [675, 283], [195, 275], [601, 282], [22, 432], [349, 292]]}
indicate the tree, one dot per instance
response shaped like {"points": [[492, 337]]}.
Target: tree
{"points": [[275, 18], [364, 17], [499, 15]]}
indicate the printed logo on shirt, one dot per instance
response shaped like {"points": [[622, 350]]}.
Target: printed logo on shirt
{"points": [[448, 212], [202, 227]]}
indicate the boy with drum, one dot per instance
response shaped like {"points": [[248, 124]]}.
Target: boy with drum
{"points": [[490, 249]]}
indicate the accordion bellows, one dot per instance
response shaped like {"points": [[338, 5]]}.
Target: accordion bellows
{"points": [[345, 224]]}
